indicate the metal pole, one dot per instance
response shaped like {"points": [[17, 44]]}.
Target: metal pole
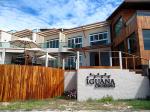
{"points": [[46, 61], [78, 61], [110, 58], [120, 59], [3, 56]]}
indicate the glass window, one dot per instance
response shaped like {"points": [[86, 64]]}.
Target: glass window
{"points": [[146, 38], [105, 36], [132, 47], [71, 61], [53, 43], [96, 37], [118, 26], [99, 38], [143, 13], [57, 43], [47, 44], [91, 38], [75, 42]]}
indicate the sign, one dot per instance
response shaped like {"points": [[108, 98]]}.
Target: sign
{"points": [[100, 81]]}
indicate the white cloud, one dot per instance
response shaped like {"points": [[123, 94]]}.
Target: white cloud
{"points": [[53, 13]]}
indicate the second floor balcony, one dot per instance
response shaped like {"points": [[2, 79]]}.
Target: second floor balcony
{"points": [[7, 45]]}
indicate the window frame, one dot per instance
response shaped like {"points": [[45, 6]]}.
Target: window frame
{"points": [[52, 43], [131, 50], [74, 44], [148, 39], [117, 21], [99, 40]]}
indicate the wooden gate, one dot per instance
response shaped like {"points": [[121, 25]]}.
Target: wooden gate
{"points": [[19, 82]]}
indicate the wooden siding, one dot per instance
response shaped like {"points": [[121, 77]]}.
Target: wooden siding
{"points": [[136, 25], [126, 32], [126, 14], [143, 23], [19, 82]]}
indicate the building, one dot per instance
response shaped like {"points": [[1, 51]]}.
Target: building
{"points": [[127, 30], [89, 40], [130, 30]]}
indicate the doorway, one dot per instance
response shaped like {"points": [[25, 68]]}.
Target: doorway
{"points": [[94, 59]]}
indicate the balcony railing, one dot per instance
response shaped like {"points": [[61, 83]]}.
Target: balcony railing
{"points": [[7, 45], [61, 45]]}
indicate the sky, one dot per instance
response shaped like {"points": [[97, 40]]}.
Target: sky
{"points": [[35, 14]]}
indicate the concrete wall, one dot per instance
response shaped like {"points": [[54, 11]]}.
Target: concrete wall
{"points": [[70, 80], [5, 37], [128, 85]]}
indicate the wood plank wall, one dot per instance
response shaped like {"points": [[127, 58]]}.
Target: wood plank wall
{"points": [[19, 82], [143, 24]]}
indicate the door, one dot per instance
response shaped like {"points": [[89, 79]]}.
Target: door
{"points": [[94, 59]]}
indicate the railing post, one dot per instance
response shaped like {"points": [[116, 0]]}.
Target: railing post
{"points": [[134, 63], [46, 61], [120, 59], [63, 64], [3, 56], [78, 61], [110, 58]]}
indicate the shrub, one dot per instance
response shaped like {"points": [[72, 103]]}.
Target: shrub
{"points": [[106, 99], [71, 94]]}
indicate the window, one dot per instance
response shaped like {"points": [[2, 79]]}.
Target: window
{"points": [[132, 43], [53, 63], [146, 38], [75, 42], [118, 26], [143, 13], [71, 61], [52, 43], [99, 38]]}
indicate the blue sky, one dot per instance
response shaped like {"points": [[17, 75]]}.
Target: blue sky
{"points": [[32, 14]]}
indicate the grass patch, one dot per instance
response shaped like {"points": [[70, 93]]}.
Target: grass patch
{"points": [[26, 105], [139, 104], [58, 103]]}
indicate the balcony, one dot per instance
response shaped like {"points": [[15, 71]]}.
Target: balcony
{"points": [[6, 45], [62, 47]]}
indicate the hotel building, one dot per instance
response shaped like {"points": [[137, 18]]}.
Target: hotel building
{"points": [[127, 29]]}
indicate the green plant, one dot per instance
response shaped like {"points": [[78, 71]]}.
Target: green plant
{"points": [[106, 99]]}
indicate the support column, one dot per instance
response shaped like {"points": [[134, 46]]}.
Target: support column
{"points": [[78, 61], [120, 59], [3, 56], [46, 61], [99, 53]]}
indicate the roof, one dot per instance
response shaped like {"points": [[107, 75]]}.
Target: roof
{"points": [[132, 4], [23, 33], [49, 32], [87, 27], [54, 31]]}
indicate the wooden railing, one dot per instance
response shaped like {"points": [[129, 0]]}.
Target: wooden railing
{"points": [[19, 82]]}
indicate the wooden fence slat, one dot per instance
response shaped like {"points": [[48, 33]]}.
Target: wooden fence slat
{"points": [[21, 82]]}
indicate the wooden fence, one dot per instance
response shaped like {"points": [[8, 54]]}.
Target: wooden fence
{"points": [[19, 82]]}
